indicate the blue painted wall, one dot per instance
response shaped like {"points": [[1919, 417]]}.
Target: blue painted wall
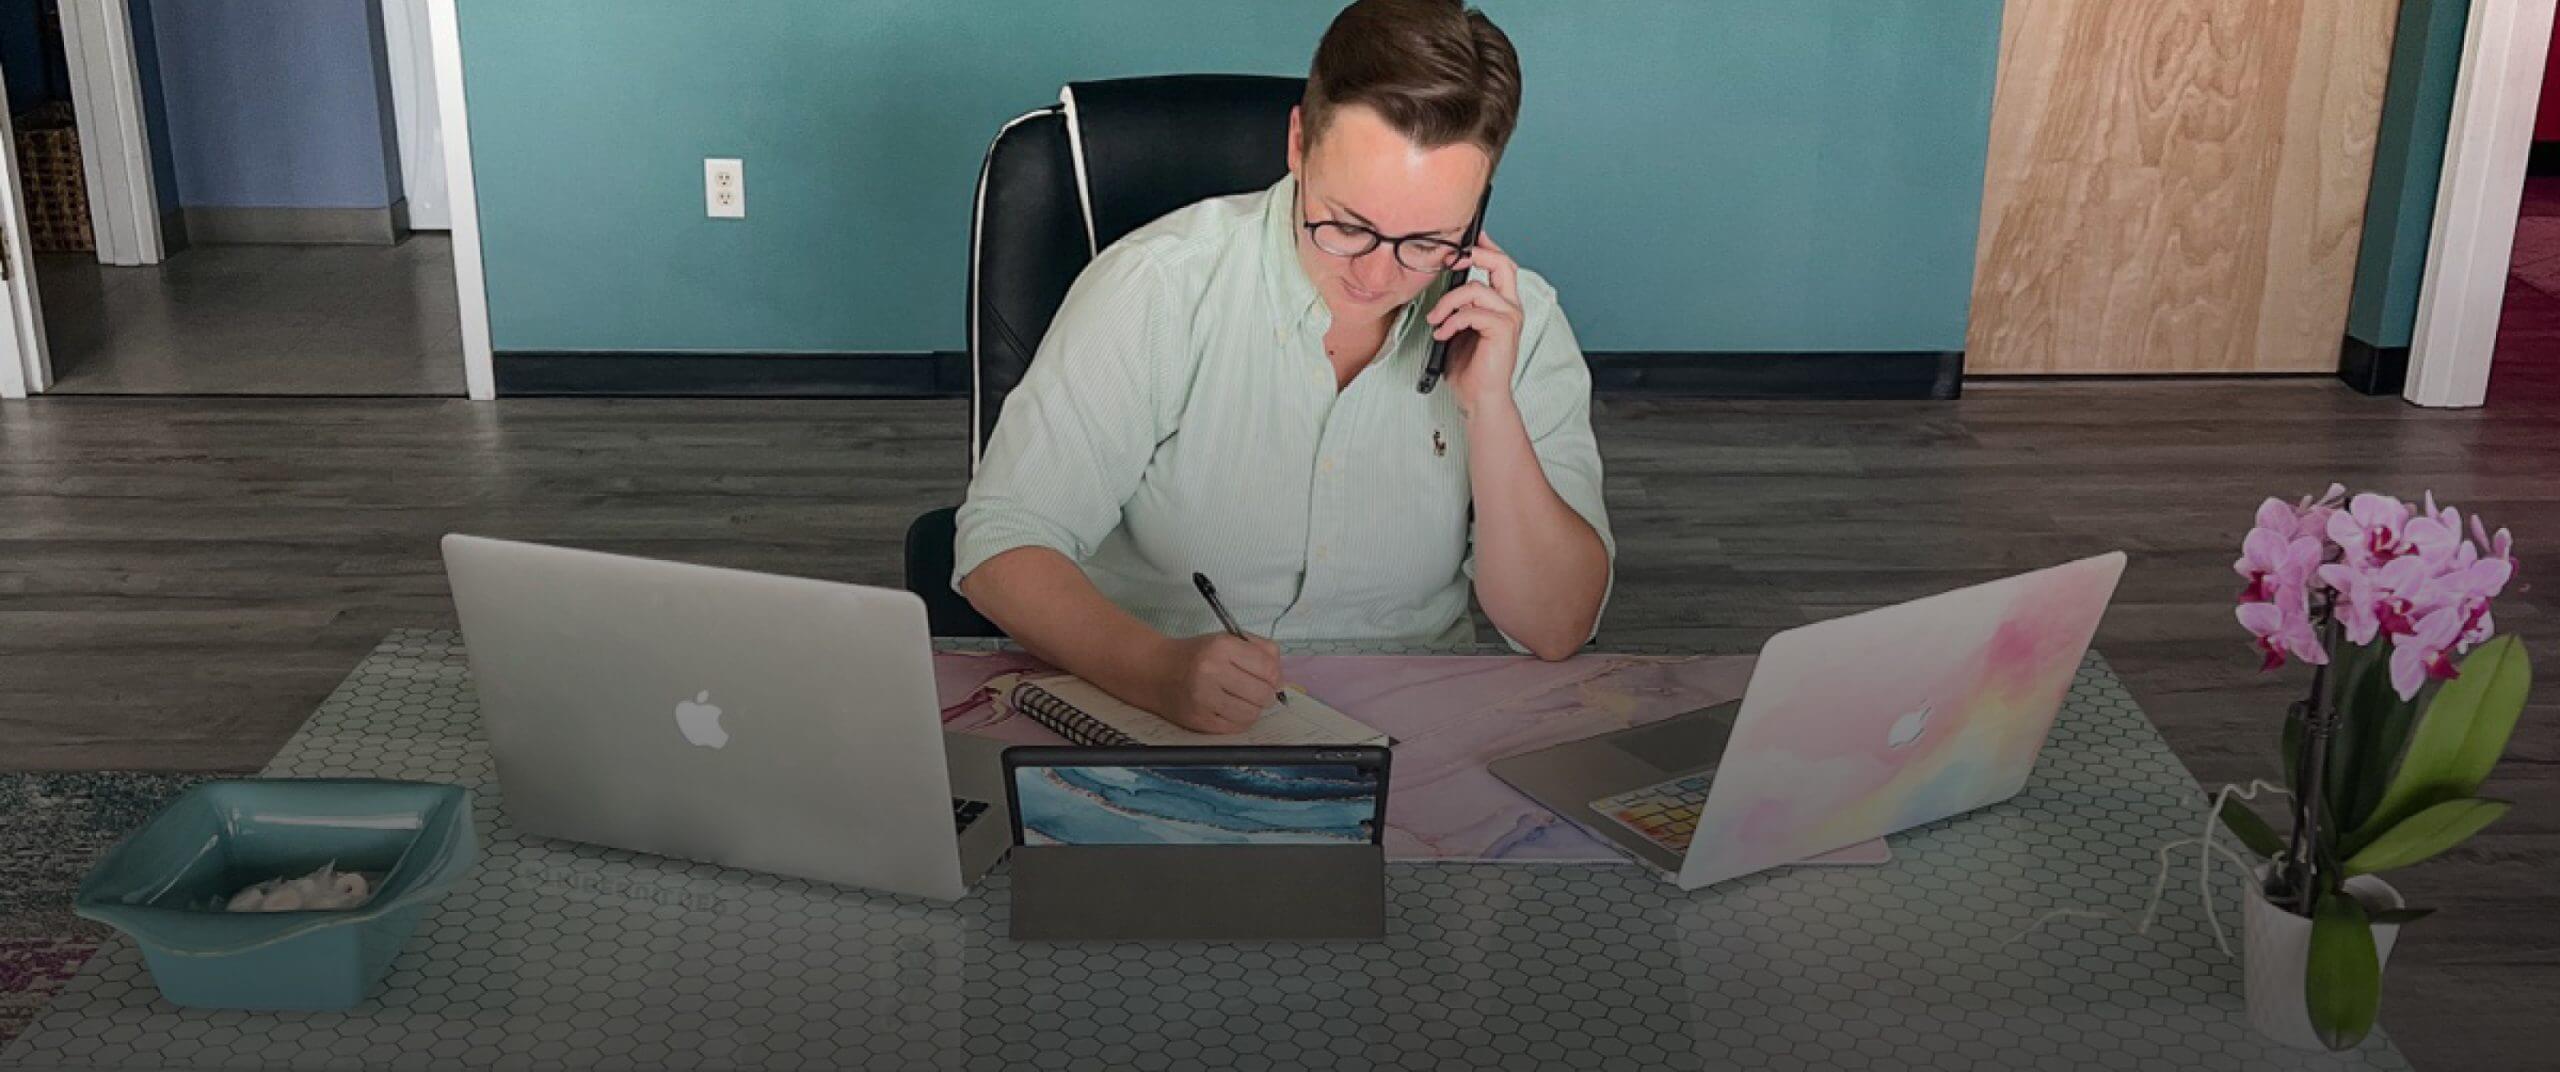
{"points": [[1737, 175], [275, 103], [2408, 162]]}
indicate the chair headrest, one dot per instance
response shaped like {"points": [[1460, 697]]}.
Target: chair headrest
{"points": [[1147, 146]]}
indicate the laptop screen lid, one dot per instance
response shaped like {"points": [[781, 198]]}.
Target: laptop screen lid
{"points": [[1877, 722], [771, 723]]}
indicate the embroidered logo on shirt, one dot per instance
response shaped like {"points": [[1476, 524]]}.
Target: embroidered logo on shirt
{"points": [[1439, 446]]}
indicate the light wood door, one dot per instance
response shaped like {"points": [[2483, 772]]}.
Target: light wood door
{"points": [[2176, 186]]}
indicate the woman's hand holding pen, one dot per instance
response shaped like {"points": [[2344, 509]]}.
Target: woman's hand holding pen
{"points": [[1215, 682]]}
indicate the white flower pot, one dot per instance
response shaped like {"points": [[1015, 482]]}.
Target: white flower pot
{"points": [[2278, 948]]}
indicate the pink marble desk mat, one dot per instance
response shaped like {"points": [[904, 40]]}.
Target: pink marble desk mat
{"points": [[1450, 715]]}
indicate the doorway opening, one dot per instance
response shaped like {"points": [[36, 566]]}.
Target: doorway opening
{"points": [[296, 226]]}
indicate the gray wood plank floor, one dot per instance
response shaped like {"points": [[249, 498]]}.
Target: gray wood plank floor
{"points": [[258, 320], [181, 580]]}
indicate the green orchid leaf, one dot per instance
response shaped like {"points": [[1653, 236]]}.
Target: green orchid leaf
{"points": [[2342, 981], [2425, 834], [2380, 722], [2462, 733], [2350, 674], [2250, 829]]}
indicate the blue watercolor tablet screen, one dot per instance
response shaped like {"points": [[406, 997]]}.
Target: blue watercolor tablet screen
{"points": [[1311, 804]]}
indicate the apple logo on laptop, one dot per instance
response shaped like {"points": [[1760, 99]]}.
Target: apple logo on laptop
{"points": [[699, 718], [1908, 728]]}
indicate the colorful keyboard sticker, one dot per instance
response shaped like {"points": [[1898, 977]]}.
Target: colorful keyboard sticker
{"points": [[1665, 814]]}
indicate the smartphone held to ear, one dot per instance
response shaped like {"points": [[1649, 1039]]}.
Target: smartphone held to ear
{"points": [[1438, 362]]}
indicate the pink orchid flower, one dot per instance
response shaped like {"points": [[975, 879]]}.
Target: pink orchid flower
{"points": [[2386, 601], [2272, 558], [2474, 587], [2276, 516], [2488, 577], [2433, 534], [2420, 656], [2420, 577], [2403, 592], [2314, 514], [2478, 626], [2283, 627], [2502, 548], [2358, 605], [2370, 530]]}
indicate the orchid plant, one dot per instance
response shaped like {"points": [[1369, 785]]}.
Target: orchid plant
{"points": [[2388, 604]]}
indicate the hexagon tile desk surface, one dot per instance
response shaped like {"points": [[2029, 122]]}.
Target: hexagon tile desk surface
{"points": [[557, 954]]}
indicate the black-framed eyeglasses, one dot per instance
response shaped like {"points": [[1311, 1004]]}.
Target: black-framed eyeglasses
{"points": [[1414, 252]]}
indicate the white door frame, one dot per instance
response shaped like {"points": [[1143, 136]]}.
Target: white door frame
{"points": [[115, 150], [107, 90], [406, 51], [2494, 100], [23, 364], [479, 375]]}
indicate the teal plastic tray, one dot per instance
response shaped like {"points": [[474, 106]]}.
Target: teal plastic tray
{"points": [[166, 885]]}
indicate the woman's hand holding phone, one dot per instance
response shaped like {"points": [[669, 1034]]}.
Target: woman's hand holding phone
{"points": [[1481, 322]]}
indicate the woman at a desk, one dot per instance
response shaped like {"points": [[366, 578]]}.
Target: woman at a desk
{"points": [[1230, 391]]}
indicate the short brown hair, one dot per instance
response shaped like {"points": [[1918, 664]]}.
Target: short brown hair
{"points": [[1437, 71]]}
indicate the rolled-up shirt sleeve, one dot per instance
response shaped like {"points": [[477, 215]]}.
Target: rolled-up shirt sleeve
{"points": [[1552, 387], [1075, 436]]}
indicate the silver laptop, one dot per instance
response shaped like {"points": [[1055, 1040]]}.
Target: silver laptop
{"points": [[1851, 729], [768, 723]]}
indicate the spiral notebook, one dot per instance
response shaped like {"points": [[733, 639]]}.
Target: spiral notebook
{"points": [[1084, 714]]}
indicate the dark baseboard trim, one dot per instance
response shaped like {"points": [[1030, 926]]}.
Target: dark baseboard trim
{"points": [[2373, 370], [1879, 374], [2544, 159], [1927, 374], [643, 374]]}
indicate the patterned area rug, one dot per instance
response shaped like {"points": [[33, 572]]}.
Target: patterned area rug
{"points": [[52, 827]]}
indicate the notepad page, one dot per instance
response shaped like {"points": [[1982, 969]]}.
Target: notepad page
{"points": [[1304, 720]]}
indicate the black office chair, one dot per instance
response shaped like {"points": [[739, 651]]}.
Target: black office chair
{"points": [[1059, 185]]}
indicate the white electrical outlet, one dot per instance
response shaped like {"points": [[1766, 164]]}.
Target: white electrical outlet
{"points": [[724, 188]]}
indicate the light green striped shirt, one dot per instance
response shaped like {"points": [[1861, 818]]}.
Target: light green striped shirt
{"points": [[1181, 415]]}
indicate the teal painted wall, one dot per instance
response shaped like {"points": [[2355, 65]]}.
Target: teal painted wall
{"points": [[2408, 159], [1738, 175]]}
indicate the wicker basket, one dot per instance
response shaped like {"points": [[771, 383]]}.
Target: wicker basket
{"points": [[57, 189]]}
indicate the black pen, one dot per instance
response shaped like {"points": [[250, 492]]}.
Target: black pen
{"points": [[1210, 592]]}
